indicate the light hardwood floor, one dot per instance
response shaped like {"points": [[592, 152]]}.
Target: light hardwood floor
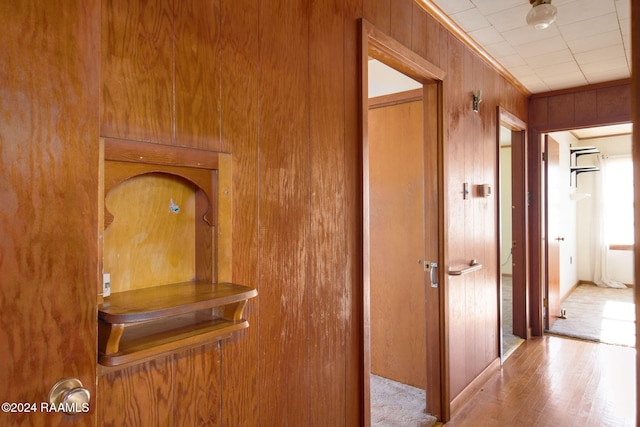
{"points": [[555, 381]]}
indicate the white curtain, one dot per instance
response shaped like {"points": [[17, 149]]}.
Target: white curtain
{"points": [[600, 222]]}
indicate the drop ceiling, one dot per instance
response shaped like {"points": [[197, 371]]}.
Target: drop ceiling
{"points": [[590, 41]]}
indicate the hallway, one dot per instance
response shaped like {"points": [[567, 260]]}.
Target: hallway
{"points": [[554, 381]]}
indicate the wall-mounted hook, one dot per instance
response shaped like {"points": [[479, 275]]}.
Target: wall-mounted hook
{"points": [[477, 99]]}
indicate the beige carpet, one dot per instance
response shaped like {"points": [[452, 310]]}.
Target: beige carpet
{"points": [[599, 314], [509, 341], [394, 404]]}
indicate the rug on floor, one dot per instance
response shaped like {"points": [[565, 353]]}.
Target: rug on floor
{"points": [[599, 314], [394, 404]]}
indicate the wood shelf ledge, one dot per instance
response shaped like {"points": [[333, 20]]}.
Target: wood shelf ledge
{"points": [[144, 323]]}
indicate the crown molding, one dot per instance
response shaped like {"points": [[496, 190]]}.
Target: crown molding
{"points": [[455, 29]]}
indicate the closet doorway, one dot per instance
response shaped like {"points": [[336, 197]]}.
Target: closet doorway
{"points": [[402, 231], [513, 226]]}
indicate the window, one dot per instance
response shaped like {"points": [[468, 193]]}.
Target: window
{"points": [[618, 199]]}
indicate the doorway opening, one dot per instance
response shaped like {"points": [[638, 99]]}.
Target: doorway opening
{"points": [[589, 222], [514, 239], [403, 325]]}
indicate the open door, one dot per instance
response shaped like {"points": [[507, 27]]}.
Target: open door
{"points": [[514, 255], [49, 161], [402, 212], [553, 232]]}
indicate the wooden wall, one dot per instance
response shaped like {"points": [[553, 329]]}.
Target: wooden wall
{"points": [[276, 84], [49, 160], [595, 105]]}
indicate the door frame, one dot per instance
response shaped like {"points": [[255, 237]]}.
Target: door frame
{"points": [[520, 222], [377, 44], [538, 214]]}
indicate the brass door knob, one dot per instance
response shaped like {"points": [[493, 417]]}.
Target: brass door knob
{"points": [[70, 396]]}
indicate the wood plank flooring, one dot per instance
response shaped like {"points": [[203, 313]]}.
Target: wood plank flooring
{"points": [[556, 381]]}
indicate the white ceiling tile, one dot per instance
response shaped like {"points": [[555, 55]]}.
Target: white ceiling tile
{"points": [[453, 6], [580, 10], [625, 26], [569, 68], [610, 53], [487, 7], [487, 35], [599, 67], [564, 78], [512, 61], [551, 59], [590, 27], [589, 42], [564, 83], [527, 34], [509, 19], [607, 76], [624, 9], [471, 20], [533, 49], [522, 71], [612, 38], [500, 49]]}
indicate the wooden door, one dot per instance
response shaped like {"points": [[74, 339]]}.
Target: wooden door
{"points": [[49, 161], [552, 235], [397, 286], [376, 44], [520, 255]]}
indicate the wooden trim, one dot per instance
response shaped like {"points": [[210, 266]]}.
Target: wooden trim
{"points": [[450, 25], [573, 288], [475, 386], [394, 54], [375, 43], [158, 154], [396, 98], [579, 89], [621, 247]]}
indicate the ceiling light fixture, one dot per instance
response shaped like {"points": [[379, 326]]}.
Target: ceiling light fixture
{"points": [[542, 14]]}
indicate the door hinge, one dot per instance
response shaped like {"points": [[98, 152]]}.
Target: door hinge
{"points": [[544, 156], [545, 303]]}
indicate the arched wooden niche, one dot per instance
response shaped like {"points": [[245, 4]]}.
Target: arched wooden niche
{"points": [[170, 249]]}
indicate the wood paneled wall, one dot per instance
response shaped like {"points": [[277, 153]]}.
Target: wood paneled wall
{"points": [[276, 85], [49, 159], [595, 105]]}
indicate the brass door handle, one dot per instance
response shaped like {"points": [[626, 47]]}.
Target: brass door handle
{"points": [[70, 396]]}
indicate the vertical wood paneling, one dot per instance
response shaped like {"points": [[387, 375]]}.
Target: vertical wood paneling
{"points": [[137, 70], [378, 12], [239, 119], [197, 74], [284, 211], [197, 392], [327, 286], [489, 231], [138, 396], [419, 37], [401, 21], [267, 82], [48, 192], [455, 215]]}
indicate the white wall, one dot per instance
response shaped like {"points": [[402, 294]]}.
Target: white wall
{"points": [[620, 262]]}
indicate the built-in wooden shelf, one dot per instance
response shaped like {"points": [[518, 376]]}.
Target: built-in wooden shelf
{"points": [[150, 311], [144, 323]]}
